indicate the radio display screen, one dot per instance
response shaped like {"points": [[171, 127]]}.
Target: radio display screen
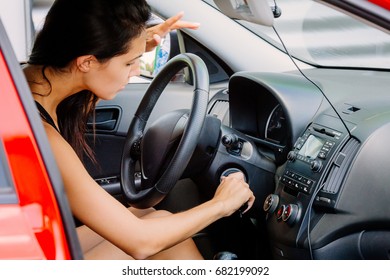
{"points": [[312, 147]]}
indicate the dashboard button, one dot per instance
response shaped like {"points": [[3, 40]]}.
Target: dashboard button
{"points": [[291, 156]]}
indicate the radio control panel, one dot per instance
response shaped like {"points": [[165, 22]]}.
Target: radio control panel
{"points": [[308, 159]]}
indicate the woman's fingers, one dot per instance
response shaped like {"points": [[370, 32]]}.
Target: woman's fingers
{"points": [[185, 24], [249, 203], [237, 175], [175, 22]]}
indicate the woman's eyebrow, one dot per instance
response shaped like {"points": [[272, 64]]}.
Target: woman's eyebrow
{"points": [[136, 57]]}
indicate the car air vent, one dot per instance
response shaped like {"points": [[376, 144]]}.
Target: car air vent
{"points": [[340, 166], [220, 109]]}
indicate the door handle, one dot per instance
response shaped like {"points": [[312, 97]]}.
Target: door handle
{"points": [[106, 119]]}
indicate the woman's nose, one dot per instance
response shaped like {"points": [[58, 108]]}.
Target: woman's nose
{"points": [[136, 71]]}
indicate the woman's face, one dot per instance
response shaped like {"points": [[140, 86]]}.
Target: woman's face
{"points": [[106, 79]]}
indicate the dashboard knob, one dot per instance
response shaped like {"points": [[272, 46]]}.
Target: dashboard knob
{"points": [[271, 203], [290, 214], [280, 212], [229, 140], [229, 171], [316, 165], [291, 156]]}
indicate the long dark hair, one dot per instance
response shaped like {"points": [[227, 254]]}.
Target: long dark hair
{"points": [[73, 28]]}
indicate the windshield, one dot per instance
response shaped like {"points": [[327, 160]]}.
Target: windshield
{"points": [[322, 36]]}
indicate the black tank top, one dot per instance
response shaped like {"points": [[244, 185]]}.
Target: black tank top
{"points": [[45, 115]]}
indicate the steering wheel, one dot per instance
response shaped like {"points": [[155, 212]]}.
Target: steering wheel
{"points": [[158, 176]]}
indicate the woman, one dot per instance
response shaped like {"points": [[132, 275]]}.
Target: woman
{"points": [[87, 50]]}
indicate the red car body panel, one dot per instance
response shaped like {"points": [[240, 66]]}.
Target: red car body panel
{"points": [[31, 229], [383, 3]]}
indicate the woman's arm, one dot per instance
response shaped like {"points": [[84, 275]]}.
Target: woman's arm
{"points": [[139, 238]]}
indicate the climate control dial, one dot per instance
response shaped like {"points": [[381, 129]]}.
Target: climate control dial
{"points": [[271, 203], [290, 214], [280, 212], [316, 165]]}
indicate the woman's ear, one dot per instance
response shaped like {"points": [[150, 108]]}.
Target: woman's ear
{"points": [[84, 62]]}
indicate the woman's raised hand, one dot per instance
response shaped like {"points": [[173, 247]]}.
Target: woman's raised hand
{"points": [[155, 33]]}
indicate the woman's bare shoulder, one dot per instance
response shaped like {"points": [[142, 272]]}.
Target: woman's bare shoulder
{"points": [[58, 144]]}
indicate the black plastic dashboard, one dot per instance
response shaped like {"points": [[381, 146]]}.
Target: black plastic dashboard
{"points": [[332, 192]]}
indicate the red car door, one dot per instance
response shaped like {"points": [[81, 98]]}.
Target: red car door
{"points": [[35, 220]]}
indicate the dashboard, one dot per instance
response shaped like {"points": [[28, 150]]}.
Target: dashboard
{"points": [[276, 126], [327, 138]]}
